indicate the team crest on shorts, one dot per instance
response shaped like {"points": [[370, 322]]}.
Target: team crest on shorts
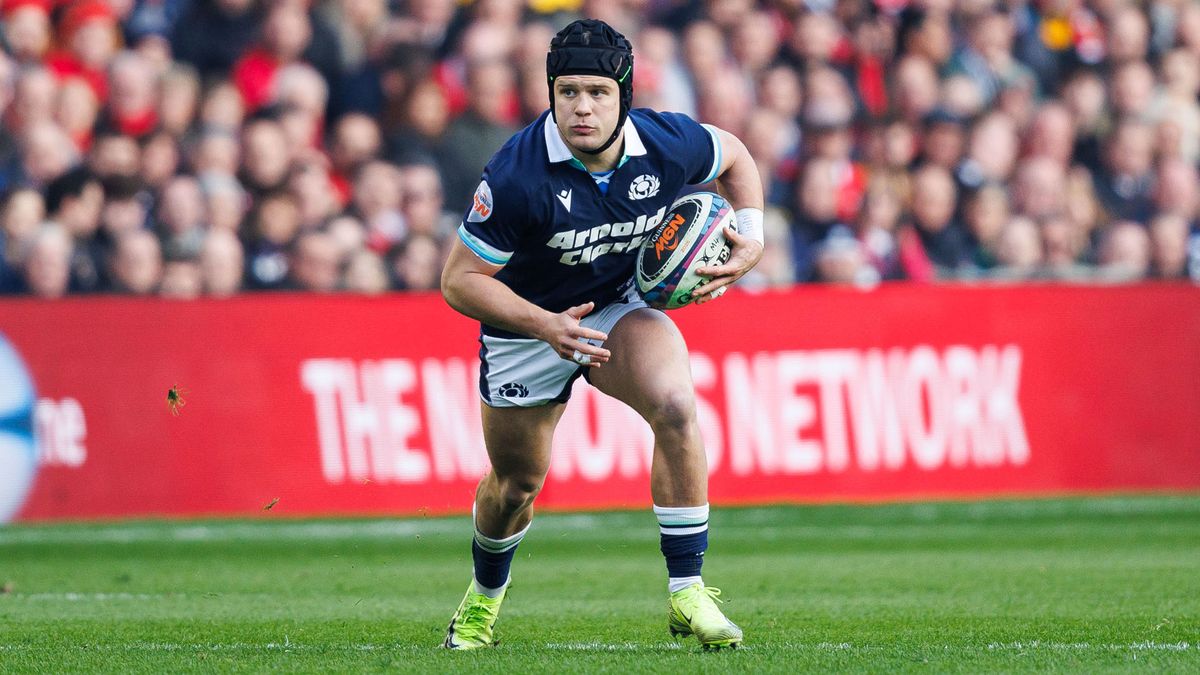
{"points": [[513, 390], [481, 203], [643, 186]]}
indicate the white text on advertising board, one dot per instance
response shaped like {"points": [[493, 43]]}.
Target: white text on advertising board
{"points": [[766, 413]]}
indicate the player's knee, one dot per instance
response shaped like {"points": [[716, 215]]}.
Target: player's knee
{"points": [[516, 494], [673, 411]]}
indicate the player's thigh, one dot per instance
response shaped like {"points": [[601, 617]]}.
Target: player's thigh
{"points": [[649, 369], [518, 439]]}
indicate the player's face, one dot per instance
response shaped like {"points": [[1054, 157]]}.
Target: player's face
{"points": [[586, 108]]}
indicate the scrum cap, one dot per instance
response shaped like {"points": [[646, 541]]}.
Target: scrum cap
{"points": [[592, 47]]}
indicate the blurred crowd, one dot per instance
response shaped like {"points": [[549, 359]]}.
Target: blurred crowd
{"points": [[210, 147]]}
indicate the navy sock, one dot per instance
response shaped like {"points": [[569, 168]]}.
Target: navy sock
{"points": [[493, 558], [491, 568], [683, 539]]}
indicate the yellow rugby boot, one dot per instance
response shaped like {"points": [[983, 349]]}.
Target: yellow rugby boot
{"points": [[694, 611], [471, 627]]}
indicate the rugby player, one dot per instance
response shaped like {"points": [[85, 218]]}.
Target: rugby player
{"points": [[544, 260]]}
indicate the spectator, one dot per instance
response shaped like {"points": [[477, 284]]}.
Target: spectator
{"points": [[471, 139], [302, 95], [314, 264], [76, 110], [1039, 188], [181, 280], [933, 204], [34, 93], [24, 212], [841, 260], [74, 200], [1125, 253], [876, 230], [216, 151], [222, 107], [133, 104], [916, 84], [944, 140], [816, 212], [349, 233], [991, 151], [266, 157], [356, 141], [27, 29], [986, 214], [1177, 190], [365, 273], [1168, 247], [1064, 246], [423, 202], [314, 190], [273, 226], [112, 155], [136, 267], [125, 207], [179, 100], [46, 265], [160, 159], [425, 117], [235, 21], [88, 37], [181, 218], [225, 201], [1018, 250], [47, 152], [1125, 182], [378, 196], [417, 263], [221, 264], [1052, 134]]}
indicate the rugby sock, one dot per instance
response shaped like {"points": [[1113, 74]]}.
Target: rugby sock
{"points": [[493, 558], [683, 534]]}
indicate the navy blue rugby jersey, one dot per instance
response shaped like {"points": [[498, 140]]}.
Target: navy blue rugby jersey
{"points": [[563, 241]]}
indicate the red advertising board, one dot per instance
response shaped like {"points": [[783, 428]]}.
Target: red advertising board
{"points": [[348, 405]]}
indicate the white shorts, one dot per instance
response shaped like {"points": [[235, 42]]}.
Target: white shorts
{"points": [[526, 372]]}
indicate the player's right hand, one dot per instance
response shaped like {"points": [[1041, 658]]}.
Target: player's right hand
{"points": [[573, 341]]}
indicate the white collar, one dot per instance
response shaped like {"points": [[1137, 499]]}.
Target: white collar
{"points": [[557, 150]]}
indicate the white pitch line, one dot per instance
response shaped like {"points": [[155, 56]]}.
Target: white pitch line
{"points": [[77, 597], [1033, 645]]}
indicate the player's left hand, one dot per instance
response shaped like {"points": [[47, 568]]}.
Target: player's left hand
{"points": [[746, 254]]}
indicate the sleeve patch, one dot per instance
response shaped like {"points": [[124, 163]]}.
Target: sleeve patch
{"points": [[481, 204]]}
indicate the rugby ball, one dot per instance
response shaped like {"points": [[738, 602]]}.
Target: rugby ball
{"points": [[690, 236], [18, 449]]}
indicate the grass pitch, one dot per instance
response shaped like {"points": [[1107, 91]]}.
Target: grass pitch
{"points": [[1080, 585]]}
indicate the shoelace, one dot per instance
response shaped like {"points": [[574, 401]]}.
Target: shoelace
{"points": [[476, 616], [707, 591]]}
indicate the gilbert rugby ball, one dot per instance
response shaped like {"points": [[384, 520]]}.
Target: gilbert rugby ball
{"points": [[690, 236]]}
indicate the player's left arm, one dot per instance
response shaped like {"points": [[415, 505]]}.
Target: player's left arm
{"points": [[737, 181]]}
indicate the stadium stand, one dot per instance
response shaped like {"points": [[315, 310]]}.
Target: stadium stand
{"points": [[211, 147]]}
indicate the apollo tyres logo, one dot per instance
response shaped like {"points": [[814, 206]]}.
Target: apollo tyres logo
{"points": [[18, 450]]}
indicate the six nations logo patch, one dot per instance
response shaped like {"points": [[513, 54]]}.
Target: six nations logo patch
{"points": [[643, 186], [481, 204]]}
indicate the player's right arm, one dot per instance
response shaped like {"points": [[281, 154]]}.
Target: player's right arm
{"points": [[470, 287]]}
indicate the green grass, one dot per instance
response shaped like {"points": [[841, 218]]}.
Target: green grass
{"points": [[1078, 585]]}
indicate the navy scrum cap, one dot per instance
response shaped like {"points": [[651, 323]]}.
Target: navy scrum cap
{"points": [[592, 47]]}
